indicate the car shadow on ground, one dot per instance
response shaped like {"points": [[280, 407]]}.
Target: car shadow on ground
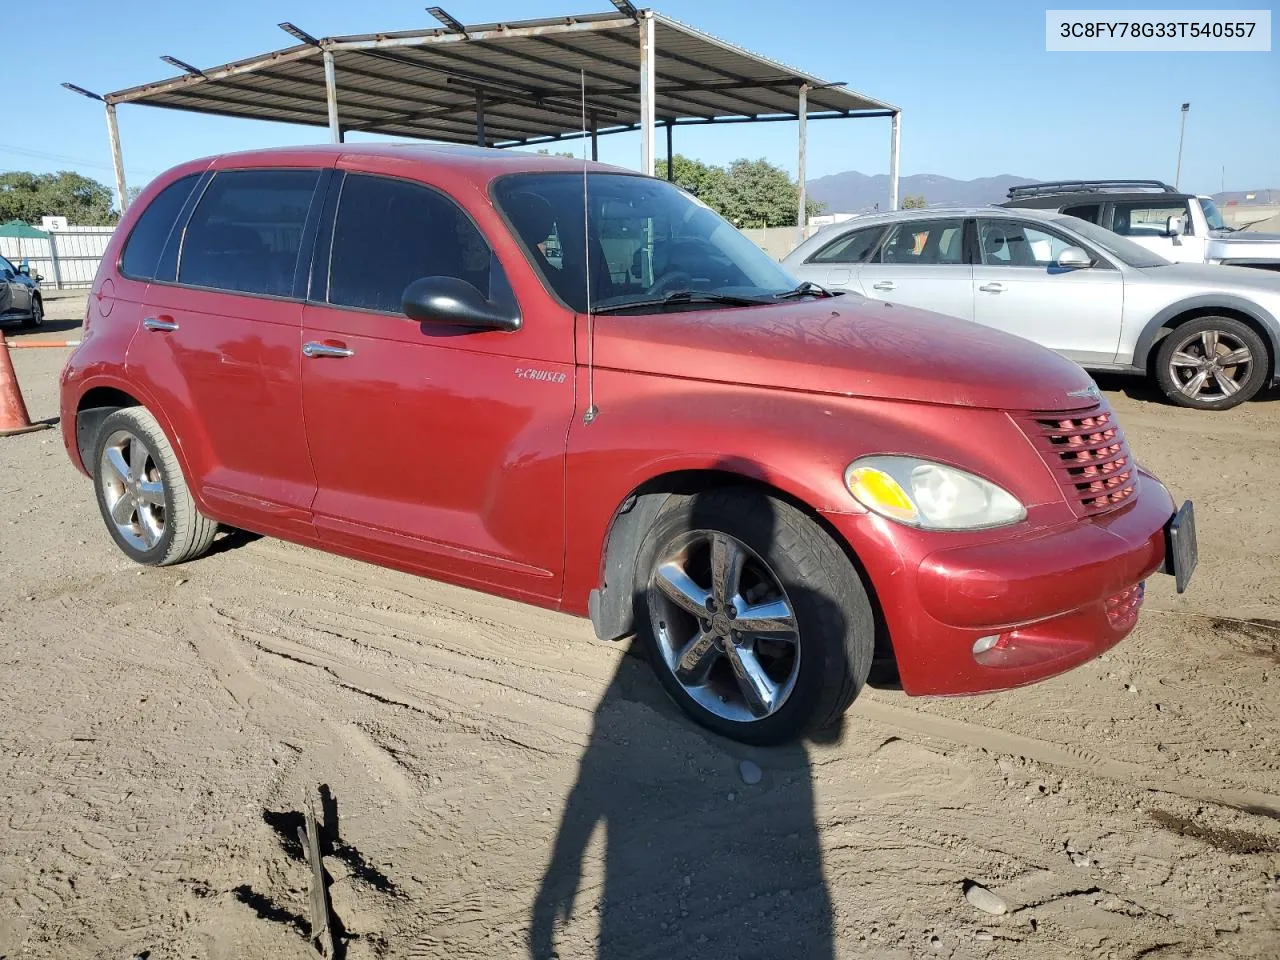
{"points": [[690, 860], [15, 330], [1146, 390]]}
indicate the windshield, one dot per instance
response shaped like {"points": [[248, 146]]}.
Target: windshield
{"points": [[1133, 254], [648, 240], [1212, 214]]}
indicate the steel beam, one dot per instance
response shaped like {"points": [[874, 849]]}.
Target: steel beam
{"points": [[499, 33], [646, 93], [480, 141], [802, 112], [895, 137], [117, 160], [217, 73], [331, 97]]}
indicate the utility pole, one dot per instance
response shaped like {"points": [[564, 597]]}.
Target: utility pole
{"points": [[1177, 177]]}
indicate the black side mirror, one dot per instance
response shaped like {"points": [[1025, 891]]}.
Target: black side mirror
{"points": [[451, 301], [25, 270]]}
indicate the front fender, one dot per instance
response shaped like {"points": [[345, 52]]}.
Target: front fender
{"points": [[1216, 301]]}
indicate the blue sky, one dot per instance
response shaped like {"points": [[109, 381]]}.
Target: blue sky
{"points": [[980, 94]]}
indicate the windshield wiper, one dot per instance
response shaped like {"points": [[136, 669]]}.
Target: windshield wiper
{"points": [[807, 288], [683, 296]]}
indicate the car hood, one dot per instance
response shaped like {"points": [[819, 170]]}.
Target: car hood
{"points": [[1210, 277], [848, 347]]}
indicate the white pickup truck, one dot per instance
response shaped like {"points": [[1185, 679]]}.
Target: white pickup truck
{"points": [[1183, 227]]}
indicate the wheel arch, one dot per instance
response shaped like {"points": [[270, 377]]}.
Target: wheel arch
{"points": [[1193, 308], [612, 604], [104, 398]]}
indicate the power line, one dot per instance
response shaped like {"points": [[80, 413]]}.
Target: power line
{"points": [[62, 158]]}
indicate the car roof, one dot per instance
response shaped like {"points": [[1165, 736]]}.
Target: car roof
{"points": [[491, 161], [1055, 200], [933, 213]]}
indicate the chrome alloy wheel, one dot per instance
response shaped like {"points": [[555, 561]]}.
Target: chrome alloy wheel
{"points": [[1210, 365], [724, 626], [133, 489]]}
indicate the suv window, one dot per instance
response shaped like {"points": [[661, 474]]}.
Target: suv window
{"points": [[1147, 219], [924, 242], [1091, 212], [389, 233], [245, 233], [146, 242], [1007, 243], [853, 247]]}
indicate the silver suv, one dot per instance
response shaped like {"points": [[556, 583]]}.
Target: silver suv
{"points": [[1182, 227], [1209, 335]]}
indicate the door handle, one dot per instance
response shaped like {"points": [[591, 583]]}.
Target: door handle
{"points": [[315, 349], [884, 285], [992, 288], [159, 325]]}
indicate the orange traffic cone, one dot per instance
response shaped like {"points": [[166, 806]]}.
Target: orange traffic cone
{"points": [[13, 410]]}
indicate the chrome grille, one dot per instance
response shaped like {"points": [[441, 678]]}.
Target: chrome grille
{"points": [[1089, 456]]}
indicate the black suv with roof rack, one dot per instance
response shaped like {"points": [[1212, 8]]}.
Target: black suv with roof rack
{"points": [[1183, 227]]}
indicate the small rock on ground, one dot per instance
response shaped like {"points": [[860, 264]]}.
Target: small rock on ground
{"points": [[984, 899], [750, 772]]}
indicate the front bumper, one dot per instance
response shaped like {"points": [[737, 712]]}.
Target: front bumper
{"points": [[1047, 600]]}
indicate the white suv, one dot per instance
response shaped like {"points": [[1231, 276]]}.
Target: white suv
{"points": [[1182, 227]]}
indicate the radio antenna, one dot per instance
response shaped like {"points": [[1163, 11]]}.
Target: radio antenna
{"points": [[591, 411]]}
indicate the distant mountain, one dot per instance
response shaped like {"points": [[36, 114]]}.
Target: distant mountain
{"points": [[853, 192]]}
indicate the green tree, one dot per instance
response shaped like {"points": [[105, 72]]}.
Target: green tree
{"points": [[749, 193], [30, 196], [915, 201]]}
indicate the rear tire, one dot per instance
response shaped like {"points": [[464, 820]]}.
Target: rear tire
{"points": [[142, 495], [1212, 363], [763, 686]]}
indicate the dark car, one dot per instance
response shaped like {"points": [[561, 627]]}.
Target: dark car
{"points": [[20, 297]]}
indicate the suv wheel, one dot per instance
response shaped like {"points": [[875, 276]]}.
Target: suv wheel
{"points": [[758, 626], [142, 494], [1212, 363], [37, 314]]}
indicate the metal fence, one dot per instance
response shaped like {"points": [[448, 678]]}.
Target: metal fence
{"points": [[67, 259]]}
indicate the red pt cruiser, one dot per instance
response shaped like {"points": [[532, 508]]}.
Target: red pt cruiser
{"points": [[581, 388]]}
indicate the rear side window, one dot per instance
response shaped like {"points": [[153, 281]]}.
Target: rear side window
{"points": [[1085, 211], [853, 247], [146, 242], [389, 233], [245, 233], [1147, 219], [924, 242]]}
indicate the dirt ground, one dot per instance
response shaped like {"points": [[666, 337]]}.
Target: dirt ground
{"points": [[500, 784]]}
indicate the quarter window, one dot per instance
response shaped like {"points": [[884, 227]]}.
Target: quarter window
{"points": [[389, 233], [246, 231], [1147, 219], [853, 247], [1005, 243], [1085, 211], [146, 242], [924, 242]]}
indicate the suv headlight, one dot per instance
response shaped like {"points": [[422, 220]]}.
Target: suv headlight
{"points": [[928, 495]]}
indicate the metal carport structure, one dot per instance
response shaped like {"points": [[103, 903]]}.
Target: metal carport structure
{"points": [[511, 84]]}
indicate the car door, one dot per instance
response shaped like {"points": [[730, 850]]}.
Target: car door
{"points": [[921, 263], [15, 296], [435, 448], [836, 264], [219, 345], [1146, 222], [1019, 288]]}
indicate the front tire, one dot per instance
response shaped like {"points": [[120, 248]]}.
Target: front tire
{"points": [[757, 625], [37, 314], [142, 495], [1211, 363]]}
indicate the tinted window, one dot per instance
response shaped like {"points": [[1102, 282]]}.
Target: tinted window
{"points": [[6, 264], [1085, 211], [1147, 218], [146, 242], [245, 232], [389, 233], [644, 240], [924, 242], [1005, 243], [851, 248]]}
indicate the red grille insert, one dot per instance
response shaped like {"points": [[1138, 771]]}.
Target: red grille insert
{"points": [[1089, 456]]}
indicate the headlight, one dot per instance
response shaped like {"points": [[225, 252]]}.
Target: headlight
{"points": [[928, 495]]}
